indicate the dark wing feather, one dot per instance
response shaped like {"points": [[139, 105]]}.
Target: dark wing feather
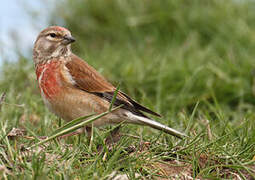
{"points": [[89, 80], [126, 105], [140, 107]]}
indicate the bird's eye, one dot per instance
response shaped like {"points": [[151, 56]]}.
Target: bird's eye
{"points": [[52, 35]]}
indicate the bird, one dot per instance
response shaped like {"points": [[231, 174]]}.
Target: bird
{"points": [[71, 88]]}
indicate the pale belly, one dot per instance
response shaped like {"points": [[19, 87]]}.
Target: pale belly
{"points": [[75, 103]]}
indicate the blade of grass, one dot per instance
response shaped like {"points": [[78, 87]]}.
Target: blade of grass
{"points": [[114, 97], [91, 137], [32, 133], [213, 167], [191, 118], [71, 123], [2, 98], [235, 160], [7, 142], [220, 138], [73, 128]]}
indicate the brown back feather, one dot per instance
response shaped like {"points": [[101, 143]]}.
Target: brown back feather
{"points": [[89, 80]]}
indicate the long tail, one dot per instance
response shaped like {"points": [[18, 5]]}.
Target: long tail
{"points": [[156, 125]]}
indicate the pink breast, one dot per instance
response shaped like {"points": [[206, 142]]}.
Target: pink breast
{"points": [[48, 76]]}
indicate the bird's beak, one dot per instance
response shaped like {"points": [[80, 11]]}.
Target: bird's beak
{"points": [[68, 39]]}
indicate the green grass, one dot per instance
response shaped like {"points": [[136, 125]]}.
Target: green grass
{"points": [[193, 62]]}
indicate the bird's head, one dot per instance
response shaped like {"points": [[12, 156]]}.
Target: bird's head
{"points": [[52, 42]]}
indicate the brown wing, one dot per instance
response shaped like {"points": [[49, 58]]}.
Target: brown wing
{"points": [[89, 80], [86, 77]]}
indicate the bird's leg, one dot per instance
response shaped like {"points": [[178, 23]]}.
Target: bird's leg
{"points": [[111, 139], [114, 136], [88, 131]]}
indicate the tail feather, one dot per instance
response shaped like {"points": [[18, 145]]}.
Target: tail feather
{"points": [[156, 125]]}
